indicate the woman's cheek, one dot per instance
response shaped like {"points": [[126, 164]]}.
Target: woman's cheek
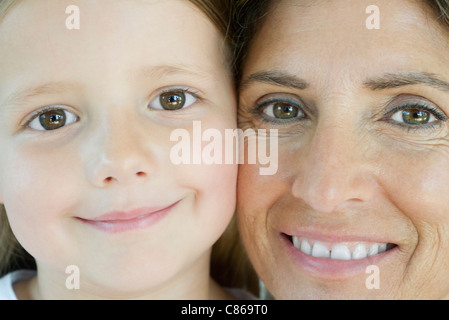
{"points": [[418, 185]]}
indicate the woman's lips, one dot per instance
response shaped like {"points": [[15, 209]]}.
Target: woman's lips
{"points": [[354, 250], [336, 260], [121, 221]]}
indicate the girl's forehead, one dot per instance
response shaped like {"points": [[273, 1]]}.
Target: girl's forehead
{"points": [[129, 38]]}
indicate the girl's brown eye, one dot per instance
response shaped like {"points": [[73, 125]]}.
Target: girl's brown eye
{"points": [[172, 100], [52, 120]]}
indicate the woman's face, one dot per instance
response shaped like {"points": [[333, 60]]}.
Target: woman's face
{"points": [[359, 207], [87, 120]]}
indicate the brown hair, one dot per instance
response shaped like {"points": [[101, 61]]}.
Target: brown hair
{"points": [[228, 261]]}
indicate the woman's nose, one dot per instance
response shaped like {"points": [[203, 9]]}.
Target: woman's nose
{"points": [[120, 154], [334, 169]]}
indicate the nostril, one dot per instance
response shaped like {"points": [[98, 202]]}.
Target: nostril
{"points": [[111, 179]]}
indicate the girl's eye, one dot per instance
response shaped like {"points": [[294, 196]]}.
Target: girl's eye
{"points": [[52, 120], [173, 100], [414, 116], [283, 111]]}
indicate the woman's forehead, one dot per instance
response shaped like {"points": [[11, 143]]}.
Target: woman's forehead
{"points": [[335, 35]]}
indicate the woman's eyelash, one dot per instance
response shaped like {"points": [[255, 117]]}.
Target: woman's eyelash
{"points": [[436, 112], [258, 109]]}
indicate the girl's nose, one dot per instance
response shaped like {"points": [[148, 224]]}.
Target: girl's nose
{"points": [[121, 154]]}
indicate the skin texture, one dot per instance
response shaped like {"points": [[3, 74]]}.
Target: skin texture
{"points": [[115, 154], [350, 169]]}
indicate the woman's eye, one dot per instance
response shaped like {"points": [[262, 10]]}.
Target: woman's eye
{"points": [[173, 100], [52, 120], [413, 116], [283, 111]]}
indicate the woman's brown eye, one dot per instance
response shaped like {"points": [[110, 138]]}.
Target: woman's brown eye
{"points": [[413, 116], [283, 111], [52, 120], [173, 100]]}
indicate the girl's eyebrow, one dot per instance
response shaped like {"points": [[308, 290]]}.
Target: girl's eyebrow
{"points": [[27, 93], [162, 71], [401, 79]]}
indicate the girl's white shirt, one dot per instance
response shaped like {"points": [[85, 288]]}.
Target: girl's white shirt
{"points": [[8, 280]]}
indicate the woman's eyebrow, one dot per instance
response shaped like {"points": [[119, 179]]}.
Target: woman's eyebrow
{"points": [[401, 79], [275, 77]]}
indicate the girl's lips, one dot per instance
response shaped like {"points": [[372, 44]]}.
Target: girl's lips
{"points": [[121, 221], [338, 261]]}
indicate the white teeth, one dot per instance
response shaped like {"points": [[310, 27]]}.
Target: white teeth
{"points": [[359, 252], [320, 250], [339, 251], [296, 242], [305, 247], [374, 249]]}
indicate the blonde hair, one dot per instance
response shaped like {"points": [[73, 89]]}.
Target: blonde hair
{"points": [[12, 255], [5, 5], [228, 262]]}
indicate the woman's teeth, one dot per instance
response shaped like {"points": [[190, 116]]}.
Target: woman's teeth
{"points": [[339, 251]]}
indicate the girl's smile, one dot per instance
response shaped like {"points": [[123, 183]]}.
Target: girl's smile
{"points": [[121, 221]]}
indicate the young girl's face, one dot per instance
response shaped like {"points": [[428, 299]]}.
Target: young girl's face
{"points": [[86, 172]]}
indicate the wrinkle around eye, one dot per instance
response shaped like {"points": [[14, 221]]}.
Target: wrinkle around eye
{"points": [[420, 143]]}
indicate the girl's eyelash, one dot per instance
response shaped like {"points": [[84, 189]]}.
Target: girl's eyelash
{"points": [[191, 91], [39, 112], [185, 90]]}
